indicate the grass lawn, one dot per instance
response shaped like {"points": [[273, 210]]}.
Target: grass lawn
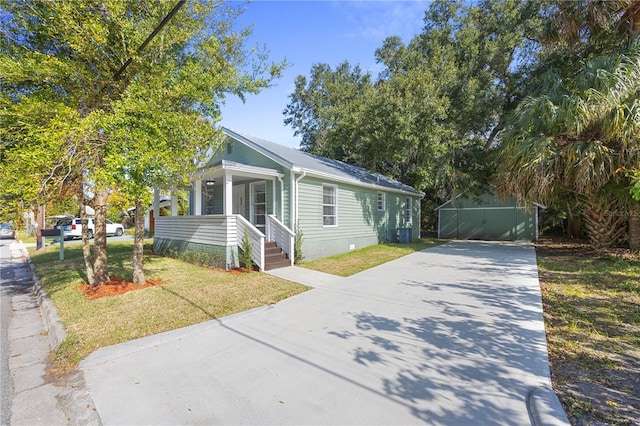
{"points": [[592, 319], [189, 294], [26, 239], [350, 263]]}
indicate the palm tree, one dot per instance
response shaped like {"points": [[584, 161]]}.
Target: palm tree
{"points": [[575, 140]]}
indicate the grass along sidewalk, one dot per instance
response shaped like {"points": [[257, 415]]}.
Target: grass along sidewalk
{"points": [[350, 263], [189, 295], [592, 319]]}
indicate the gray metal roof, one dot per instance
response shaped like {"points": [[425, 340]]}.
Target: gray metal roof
{"points": [[300, 161]]}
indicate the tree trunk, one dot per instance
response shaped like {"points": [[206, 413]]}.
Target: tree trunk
{"points": [[39, 239], [634, 229], [86, 248], [100, 265], [605, 221], [138, 244], [494, 132], [574, 223]]}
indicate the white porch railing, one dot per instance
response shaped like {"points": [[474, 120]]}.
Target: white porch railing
{"points": [[256, 239], [282, 235]]}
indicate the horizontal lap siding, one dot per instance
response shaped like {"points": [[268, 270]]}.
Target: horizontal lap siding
{"points": [[216, 230], [240, 153], [359, 222]]}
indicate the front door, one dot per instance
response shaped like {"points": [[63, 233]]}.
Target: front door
{"points": [[259, 204], [238, 200]]}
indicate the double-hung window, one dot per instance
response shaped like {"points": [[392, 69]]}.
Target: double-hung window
{"points": [[407, 212], [329, 205], [382, 201]]}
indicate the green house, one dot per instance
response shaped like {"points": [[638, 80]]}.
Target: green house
{"points": [[488, 218], [272, 192]]}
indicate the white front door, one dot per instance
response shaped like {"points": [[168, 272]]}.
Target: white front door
{"points": [[238, 200]]}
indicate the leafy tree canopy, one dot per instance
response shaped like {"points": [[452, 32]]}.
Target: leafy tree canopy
{"points": [[91, 101], [438, 102]]}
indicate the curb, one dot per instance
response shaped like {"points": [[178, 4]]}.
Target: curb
{"points": [[50, 317], [49, 313], [74, 398], [545, 408]]}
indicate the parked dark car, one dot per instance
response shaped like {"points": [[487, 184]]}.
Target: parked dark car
{"points": [[7, 231]]}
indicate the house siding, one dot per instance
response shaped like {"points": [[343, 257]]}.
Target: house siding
{"points": [[204, 238], [240, 153], [359, 222]]}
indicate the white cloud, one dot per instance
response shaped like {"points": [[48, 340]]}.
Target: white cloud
{"points": [[377, 20]]}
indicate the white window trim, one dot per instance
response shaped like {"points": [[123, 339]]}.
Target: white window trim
{"points": [[408, 209], [384, 201], [252, 211], [335, 187]]}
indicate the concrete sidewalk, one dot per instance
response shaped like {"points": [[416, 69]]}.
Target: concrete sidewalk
{"points": [[452, 335], [33, 332]]}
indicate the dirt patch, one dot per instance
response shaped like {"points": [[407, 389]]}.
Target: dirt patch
{"points": [[594, 367], [114, 287], [566, 247]]}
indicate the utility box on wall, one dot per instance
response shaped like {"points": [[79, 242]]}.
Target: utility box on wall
{"points": [[405, 235]]}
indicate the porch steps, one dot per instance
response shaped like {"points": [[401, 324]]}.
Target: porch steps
{"points": [[274, 257]]}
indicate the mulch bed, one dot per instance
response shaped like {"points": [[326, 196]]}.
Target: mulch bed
{"points": [[117, 285], [114, 287]]}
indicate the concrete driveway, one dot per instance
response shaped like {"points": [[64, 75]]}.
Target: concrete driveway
{"points": [[452, 335]]}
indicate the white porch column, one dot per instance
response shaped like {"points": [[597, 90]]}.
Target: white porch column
{"points": [[228, 194], [174, 202], [156, 203], [273, 200], [197, 197]]}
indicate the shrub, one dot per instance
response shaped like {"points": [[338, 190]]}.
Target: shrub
{"points": [[245, 254]]}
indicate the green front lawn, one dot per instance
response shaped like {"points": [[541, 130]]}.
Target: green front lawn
{"points": [[189, 295], [350, 263]]}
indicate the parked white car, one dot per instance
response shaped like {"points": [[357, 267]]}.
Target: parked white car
{"points": [[73, 227]]}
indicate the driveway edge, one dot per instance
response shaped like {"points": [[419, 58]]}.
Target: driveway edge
{"points": [[545, 408]]}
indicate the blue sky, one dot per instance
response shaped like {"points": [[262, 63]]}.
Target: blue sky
{"points": [[308, 32]]}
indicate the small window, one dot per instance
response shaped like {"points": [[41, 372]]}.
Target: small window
{"points": [[407, 213], [229, 148], [329, 205], [382, 201]]}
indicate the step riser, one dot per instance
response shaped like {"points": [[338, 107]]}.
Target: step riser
{"points": [[274, 257]]}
